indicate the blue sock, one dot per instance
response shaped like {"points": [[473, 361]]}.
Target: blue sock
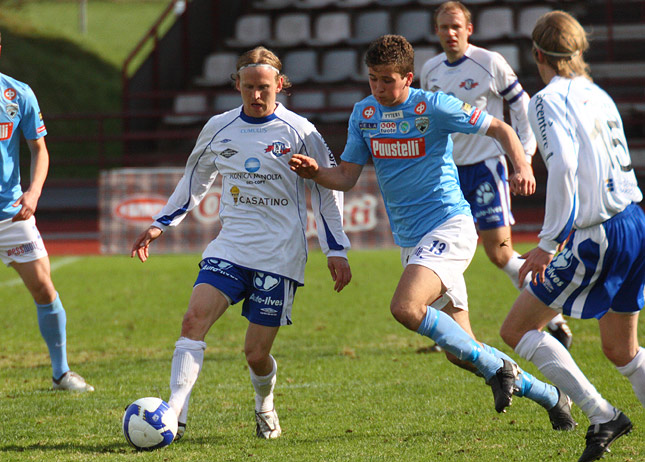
{"points": [[451, 337], [52, 321], [528, 386]]}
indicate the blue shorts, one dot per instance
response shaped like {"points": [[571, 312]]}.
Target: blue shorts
{"points": [[485, 187], [601, 268], [268, 297]]}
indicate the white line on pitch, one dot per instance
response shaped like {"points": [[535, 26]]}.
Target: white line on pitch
{"points": [[54, 266]]}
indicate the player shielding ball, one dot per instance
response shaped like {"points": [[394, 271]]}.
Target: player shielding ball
{"points": [[260, 253], [406, 133], [592, 197], [21, 245]]}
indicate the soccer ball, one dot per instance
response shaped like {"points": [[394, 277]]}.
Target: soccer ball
{"points": [[149, 423]]}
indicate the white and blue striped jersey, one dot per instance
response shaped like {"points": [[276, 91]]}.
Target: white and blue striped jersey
{"points": [[411, 148], [19, 112], [580, 136], [483, 79], [263, 207]]}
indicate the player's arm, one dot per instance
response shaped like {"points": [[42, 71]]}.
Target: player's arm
{"points": [[39, 169], [341, 178], [521, 180]]}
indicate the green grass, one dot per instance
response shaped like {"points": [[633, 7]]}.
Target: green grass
{"points": [[352, 383]]}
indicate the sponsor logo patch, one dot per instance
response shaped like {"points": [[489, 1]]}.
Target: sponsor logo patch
{"points": [[10, 94], [369, 111], [387, 128], [252, 164], [404, 127], [6, 129], [265, 282], [393, 115], [420, 108], [390, 148], [227, 153], [475, 116], [367, 125]]}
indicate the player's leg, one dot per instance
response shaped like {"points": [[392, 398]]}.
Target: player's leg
{"points": [[521, 331], [206, 305], [263, 370], [267, 307], [619, 336], [22, 247]]}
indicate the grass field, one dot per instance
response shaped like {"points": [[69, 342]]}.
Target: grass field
{"points": [[353, 385]]}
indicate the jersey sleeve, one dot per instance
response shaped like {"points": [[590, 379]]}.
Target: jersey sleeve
{"points": [[31, 123], [455, 116], [509, 88], [356, 151], [327, 204], [199, 174], [559, 150]]}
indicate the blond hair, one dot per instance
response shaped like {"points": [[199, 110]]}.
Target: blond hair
{"points": [[449, 6], [562, 41], [261, 56]]}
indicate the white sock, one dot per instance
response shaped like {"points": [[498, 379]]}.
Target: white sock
{"points": [[557, 319], [263, 386], [635, 372], [556, 363], [512, 270], [186, 363]]}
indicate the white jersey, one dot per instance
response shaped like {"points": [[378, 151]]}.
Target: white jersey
{"points": [[483, 79], [263, 208], [580, 136]]}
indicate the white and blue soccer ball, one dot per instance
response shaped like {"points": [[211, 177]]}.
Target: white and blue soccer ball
{"points": [[149, 423]]}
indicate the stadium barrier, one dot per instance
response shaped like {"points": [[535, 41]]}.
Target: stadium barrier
{"points": [[129, 197]]}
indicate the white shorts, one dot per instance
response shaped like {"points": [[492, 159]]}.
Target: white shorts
{"points": [[447, 250], [20, 241]]}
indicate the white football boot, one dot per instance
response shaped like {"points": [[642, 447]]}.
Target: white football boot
{"points": [[73, 382], [268, 425]]}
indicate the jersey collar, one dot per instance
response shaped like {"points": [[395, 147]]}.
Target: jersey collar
{"points": [[257, 120]]}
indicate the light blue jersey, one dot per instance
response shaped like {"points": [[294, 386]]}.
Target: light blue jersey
{"points": [[411, 148], [19, 111]]}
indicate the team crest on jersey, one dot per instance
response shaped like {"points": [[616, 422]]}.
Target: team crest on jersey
{"points": [[228, 153], [278, 148], [422, 123], [420, 108], [404, 127], [10, 94], [12, 110], [6, 129], [369, 111], [468, 84]]}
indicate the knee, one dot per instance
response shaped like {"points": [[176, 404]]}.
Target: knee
{"points": [[406, 314], [256, 358], [617, 354], [44, 293], [192, 324], [498, 257], [510, 335]]}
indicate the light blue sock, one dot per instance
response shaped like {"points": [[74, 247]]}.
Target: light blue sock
{"points": [[451, 337], [528, 386], [52, 321]]}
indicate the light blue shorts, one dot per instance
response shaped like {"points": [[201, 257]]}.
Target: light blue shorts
{"points": [[601, 269]]}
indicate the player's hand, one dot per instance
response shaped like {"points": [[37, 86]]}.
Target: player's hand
{"points": [[341, 274], [304, 166], [29, 203], [142, 244], [536, 261], [522, 181]]}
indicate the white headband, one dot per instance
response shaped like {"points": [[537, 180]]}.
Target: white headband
{"points": [[268, 66], [556, 53]]}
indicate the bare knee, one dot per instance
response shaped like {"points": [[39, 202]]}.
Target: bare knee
{"points": [[192, 325], [43, 293], [498, 257], [617, 354], [257, 359], [407, 314]]}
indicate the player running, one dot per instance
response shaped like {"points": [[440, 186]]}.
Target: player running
{"points": [[260, 253], [485, 80], [21, 245], [406, 133], [592, 193]]}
